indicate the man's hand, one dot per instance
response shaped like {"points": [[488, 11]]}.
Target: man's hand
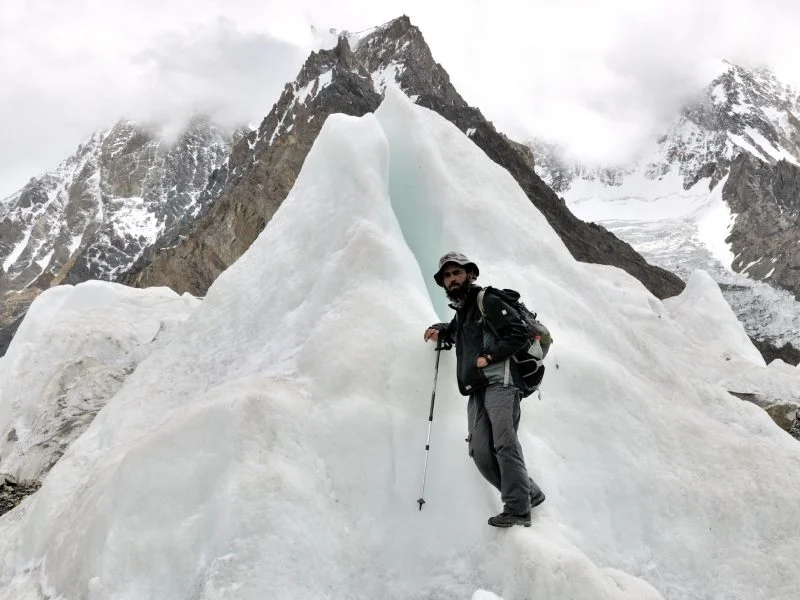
{"points": [[431, 333], [482, 361]]}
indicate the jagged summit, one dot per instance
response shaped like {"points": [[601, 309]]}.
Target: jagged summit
{"points": [[741, 110]]}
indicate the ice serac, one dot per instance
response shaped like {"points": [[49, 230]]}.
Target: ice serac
{"points": [[273, 447], [70, 355], [701, 306], [351, 79]]}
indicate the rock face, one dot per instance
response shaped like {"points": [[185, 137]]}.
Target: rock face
{"points": [[351, 79], [766, 199], [787, 353], [12, 492], [785, 413]]}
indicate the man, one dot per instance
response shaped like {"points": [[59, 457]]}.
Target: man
{"points": [[486, 374]]}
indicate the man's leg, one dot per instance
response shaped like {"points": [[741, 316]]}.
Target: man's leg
{"points": [[501, 405], [481, 445]]}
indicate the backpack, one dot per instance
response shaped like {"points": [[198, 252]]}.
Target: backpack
{"points": [[528, 359]]}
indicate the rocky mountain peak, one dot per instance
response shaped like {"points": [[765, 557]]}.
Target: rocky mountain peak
{"points": [[92, 216], [740, 110], [351, 79]]}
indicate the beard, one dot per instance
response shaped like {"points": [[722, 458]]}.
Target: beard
{"points": [[458, 293]]}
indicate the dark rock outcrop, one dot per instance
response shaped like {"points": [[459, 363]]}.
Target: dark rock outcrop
{"points": [[12, 492], [787, 353], [7, 332], [263, 166], [785, 413], [764, 239]]}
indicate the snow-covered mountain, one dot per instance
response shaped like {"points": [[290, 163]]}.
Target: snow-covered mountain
{"points": [[717, 191], [741, 110], [272, 445], [92, 217]]}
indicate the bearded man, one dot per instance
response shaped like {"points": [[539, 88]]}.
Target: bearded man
{"points": [[487, 374]]}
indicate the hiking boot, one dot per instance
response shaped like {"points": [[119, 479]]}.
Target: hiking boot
{"points": [[505, 519], [537, 500]]}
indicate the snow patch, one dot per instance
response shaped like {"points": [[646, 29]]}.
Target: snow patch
{"points": [[132, 218], [776, 153], [388, 76], [714, 222], [74, 243], [751, 264], [718, 95], [45, 260], [18, 250], [747, 146]]}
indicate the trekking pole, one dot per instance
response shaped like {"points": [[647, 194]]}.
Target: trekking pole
{"points": [[421, 500]]}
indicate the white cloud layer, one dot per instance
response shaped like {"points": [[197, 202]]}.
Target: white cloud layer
{"points": [[599, 78]]}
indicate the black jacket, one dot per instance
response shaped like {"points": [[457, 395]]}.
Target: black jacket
{"points": [[467, 333]]}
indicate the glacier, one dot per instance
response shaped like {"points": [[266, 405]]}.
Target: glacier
{"points": [[271, 446]]}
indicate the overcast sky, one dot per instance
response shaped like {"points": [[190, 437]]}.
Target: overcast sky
{"points": [[598, 77]]}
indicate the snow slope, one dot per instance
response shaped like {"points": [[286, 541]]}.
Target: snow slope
{"points": [[273, 447]]}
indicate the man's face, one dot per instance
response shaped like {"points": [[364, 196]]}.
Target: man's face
{"points": [[456, 281]]}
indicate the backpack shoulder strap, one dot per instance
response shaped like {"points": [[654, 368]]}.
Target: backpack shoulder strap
{"points": [[482, 310], [481, 295]]}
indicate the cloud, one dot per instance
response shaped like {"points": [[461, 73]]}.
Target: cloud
{"points": [[216, 69], [600, 78], [73, 73], [603, 79]]}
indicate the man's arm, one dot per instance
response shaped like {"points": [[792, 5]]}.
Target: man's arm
{"points": [[510, 332]]}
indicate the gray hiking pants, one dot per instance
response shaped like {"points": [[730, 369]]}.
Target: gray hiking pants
{"points": [[493, 413]]}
